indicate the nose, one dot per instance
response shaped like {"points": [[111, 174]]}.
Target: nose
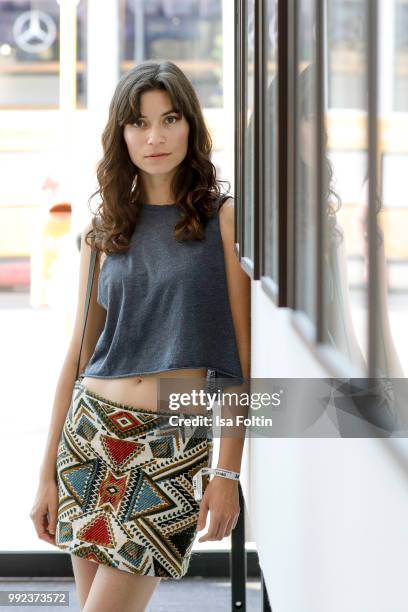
{"points": [[155, 135]]}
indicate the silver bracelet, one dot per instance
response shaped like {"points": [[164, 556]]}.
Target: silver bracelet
{"points": [[198, 481]]}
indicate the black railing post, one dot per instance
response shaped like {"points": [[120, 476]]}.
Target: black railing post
{"points": [[238, 560], [265, 605]]}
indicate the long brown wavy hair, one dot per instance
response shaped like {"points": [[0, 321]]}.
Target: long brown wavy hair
{"points": [[121, 194]]}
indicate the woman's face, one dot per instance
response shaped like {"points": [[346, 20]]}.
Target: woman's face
{"points": [[158, 129]]}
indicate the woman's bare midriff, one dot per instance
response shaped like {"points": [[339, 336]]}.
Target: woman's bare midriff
{"points": [[142, 391], [139, 391]]}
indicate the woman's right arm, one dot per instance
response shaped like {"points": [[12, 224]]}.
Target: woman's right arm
{"points": [[46, 495]]}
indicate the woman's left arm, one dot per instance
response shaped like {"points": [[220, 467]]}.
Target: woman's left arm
{"points": [[221, 494]]}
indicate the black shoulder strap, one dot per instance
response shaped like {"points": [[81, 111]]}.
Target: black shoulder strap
{"points": [[223, 198], [87, 300]]}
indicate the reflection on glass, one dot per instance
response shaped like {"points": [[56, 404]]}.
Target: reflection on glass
{"points": [[392, 294], [305, 197], [346, 241], [400, 80], [30, 50], [348, 33], [271, 144], [188, 32], [249, 133], [392, 223], [81, 26]]}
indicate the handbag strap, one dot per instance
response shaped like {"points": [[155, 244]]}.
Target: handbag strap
{"points": [[87, 300]]}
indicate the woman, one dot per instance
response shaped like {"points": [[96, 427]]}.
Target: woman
{"points": [[169, 299]]}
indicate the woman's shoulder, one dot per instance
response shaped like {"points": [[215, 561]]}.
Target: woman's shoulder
{"points": [[226, 211], [223, 202], [226, 217], [226, 202]]}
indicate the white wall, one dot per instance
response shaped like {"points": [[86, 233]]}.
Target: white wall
{"points": [[328, 515]]}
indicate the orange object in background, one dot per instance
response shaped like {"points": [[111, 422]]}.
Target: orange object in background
{"points": [[49, 240]]}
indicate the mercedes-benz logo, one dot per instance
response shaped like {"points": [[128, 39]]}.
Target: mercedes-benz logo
{"points": [[34, 31]]}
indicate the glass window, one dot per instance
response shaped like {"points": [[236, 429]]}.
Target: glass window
{"points": [[30, 51], [188, 32], [81, 72], [271, 144], [345, 261], [305, 197], [347, 32], [401, 55], [392, 248], [249, 135], [39, 257]]}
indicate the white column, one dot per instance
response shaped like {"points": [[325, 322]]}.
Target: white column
{"points": [[228, 38], [103, 53], [64, 158], [103, 72]]}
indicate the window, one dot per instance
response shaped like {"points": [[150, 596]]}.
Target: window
{"points": [[270, 236], [30, 54], [188, 32], [347, 23], [401, 54], [249, 133], [342, 245], [306, 161], [345, 303]]}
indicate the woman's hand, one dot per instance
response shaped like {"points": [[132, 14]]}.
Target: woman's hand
{"points": [[44, 510], [222, 500]]}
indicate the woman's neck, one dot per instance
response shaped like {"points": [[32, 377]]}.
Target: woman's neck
{"points": [[157, 189]]}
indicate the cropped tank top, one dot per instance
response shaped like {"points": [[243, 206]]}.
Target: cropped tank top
{"points": [[167, 303]]}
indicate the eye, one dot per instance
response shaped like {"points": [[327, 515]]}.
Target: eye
{"points": [[137, 122], [172, 117]]}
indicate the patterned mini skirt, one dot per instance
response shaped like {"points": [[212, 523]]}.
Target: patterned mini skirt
{"points": [[125, 492]]}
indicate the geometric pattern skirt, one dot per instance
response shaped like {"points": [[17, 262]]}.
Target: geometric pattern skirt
{"points": [[125, 493]]}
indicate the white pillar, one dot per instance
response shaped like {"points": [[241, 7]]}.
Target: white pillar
{"points": [[64, 157], [103, 53], [228, 38], [103, 73]]}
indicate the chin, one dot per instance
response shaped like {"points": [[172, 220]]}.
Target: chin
{"points": [[164, 169]]}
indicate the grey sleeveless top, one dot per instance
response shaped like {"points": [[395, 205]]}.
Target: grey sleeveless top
{"points": [[167, 303]]}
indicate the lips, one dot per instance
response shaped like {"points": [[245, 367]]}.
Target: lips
{"points": [[158, 155]]}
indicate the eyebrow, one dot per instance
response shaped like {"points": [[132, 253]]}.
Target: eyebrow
{"points": [[173, 110]]}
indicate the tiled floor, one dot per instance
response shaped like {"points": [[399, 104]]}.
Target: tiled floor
{"points": [[198, 594]]}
